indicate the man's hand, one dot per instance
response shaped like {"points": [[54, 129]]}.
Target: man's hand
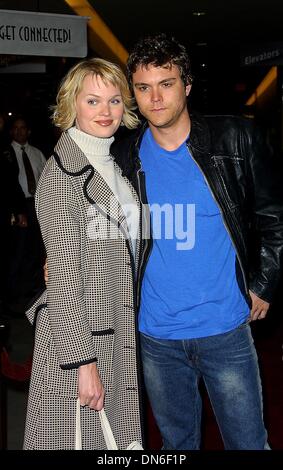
{"points": [[259, 307], [21, 220]]}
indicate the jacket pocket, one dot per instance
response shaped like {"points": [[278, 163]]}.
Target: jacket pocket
{"points": [[65, 382], [231, 175]]}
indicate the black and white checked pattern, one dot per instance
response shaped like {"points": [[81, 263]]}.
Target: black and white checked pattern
{"points": [[90, 290]]}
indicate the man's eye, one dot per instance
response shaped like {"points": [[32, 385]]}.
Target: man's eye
{"points": [[167, 84]]}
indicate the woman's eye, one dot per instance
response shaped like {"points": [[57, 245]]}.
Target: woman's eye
{"points": [[92, 101], [116, 101]]}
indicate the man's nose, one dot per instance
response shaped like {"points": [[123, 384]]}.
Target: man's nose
{"points": [[155, 94]]}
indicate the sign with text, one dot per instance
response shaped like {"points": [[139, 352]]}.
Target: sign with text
{"points": [[44, 34], [263, 54]]}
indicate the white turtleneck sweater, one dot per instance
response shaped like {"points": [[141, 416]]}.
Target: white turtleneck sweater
{"points": [[97, 151]]}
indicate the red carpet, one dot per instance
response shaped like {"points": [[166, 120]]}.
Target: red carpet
{"points": [[15, 371]]}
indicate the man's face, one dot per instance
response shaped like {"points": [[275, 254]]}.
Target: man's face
{"points": [[160, 94], [20, 132]]}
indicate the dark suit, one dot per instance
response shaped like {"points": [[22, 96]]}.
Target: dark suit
{"points": [[12, 201], [26, 257]]}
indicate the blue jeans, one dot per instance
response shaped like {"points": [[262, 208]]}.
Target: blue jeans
{"points": [[229, 367]]}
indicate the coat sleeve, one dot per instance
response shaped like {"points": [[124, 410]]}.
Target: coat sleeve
{"points": [[59, 213], [266, 198]]}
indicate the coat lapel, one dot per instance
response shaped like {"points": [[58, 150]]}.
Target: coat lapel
{"points": [[138, 203], [96, 191]]}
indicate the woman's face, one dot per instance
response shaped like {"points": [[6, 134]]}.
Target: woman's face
{"points": [[99, 107]]}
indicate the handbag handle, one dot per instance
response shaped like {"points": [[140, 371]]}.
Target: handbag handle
{"points": [[107, 431], [105, 426], [78, 436]]}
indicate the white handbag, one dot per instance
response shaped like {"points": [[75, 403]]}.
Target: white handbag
{"points": [[106, 429]]}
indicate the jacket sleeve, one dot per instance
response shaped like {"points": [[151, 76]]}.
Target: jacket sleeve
{"points": [[35, 306], [266, 201], [59, 215]]}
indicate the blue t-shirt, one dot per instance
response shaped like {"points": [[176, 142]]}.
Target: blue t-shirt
{"points": [[189, 288]]}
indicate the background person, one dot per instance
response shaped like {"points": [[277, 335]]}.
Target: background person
{"points": [[25, 277]]}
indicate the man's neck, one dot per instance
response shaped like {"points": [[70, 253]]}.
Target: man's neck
{"points": [[21, 144], [171, 137]]}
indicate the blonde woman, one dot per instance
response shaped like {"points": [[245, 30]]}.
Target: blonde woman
{"points": [[85, 322]]}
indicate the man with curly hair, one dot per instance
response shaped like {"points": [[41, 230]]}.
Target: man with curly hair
{"points": [[207, 181]]}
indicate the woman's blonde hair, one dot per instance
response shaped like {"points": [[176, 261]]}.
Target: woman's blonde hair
{"points": [[64, 112]]}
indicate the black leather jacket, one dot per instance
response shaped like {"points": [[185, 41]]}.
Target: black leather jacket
{"points": [[245, 181]]}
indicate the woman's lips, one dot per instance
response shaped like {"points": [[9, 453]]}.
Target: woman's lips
{"points": [[105, 123]]}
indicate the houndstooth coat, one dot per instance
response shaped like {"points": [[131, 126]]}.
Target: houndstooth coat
{"points": [[88, 311]]}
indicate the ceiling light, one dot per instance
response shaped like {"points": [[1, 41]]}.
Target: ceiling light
{"points": [[199, 13]]}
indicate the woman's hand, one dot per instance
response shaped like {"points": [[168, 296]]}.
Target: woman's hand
{"points": [[45, 271], [91, 390]]}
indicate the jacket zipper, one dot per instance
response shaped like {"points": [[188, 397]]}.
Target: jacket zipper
{"points": [[223, 218], [144, 248], [137, 288]]}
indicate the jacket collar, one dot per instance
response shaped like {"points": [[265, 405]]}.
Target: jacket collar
{"points": [[199, 138], [72, 160]]}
